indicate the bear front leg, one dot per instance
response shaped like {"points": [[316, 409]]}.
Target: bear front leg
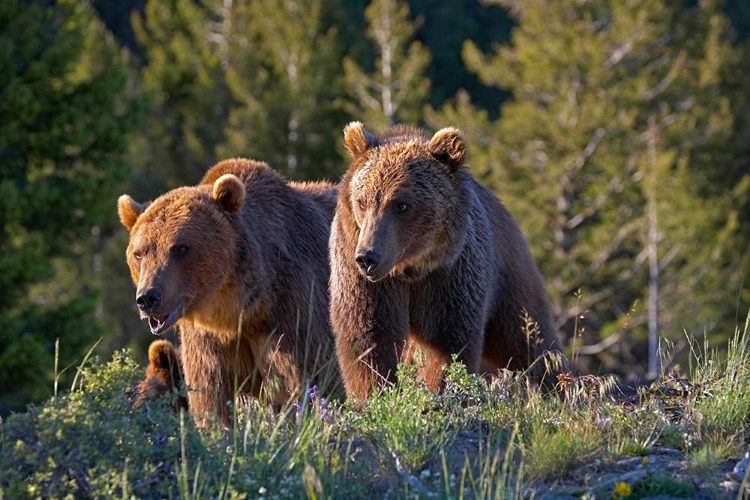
{"points": [[447, 324], [210, 367], [431, 363], [368, 362], [370, 322]]}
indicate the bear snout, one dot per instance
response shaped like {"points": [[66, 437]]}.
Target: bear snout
{"points": [[149, 300], [368, 261]]}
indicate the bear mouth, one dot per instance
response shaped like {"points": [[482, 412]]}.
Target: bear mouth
{"points": [[161, 323], [374, 278], [375, 274]]}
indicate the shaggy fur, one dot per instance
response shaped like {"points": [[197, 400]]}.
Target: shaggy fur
{"points": [[451, 273], [239, 263], [163, 374]]}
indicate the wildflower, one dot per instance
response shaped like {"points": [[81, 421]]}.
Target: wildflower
{"points": [[312, 392], [262, 490], [316, 402], [644, 461], [622, 490], [323, 411]]}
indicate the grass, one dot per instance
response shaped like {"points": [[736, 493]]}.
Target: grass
{"points": [[479, 440]]}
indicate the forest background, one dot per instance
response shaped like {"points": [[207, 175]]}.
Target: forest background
{"points": [[617, 133]]}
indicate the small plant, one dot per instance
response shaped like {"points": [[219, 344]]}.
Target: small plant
{"points": [[663, 484], [494, 475], [556, 448], [400, 420], [706, 458], [723, 405]]}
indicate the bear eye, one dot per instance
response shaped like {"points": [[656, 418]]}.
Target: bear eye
{"points": [[401, 207], [137, 255], [181, 249], [361, 205]]}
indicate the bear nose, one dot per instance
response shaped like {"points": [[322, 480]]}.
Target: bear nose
{"points": [[148, 300], [367, 260]]}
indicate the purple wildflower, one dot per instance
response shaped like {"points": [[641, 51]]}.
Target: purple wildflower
{"points": [[315, 402]]}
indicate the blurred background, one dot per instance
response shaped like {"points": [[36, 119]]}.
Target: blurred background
{"points": [[616, 132]]}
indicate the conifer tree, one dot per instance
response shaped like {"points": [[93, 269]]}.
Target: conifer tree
{"points": [[64, 129], [286, 80], [183, 49], [446, 27], [396, 89], [618, 121]]}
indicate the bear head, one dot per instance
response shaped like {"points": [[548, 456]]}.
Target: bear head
{"points": [[182, 250], [407, 197], [163, 374]]}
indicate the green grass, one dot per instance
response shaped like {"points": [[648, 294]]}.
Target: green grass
{"points": [[663, 484], [477, 440]]}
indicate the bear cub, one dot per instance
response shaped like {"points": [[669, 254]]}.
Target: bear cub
{"points": [[163, 375]]}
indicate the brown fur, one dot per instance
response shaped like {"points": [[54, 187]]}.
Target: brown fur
{"points": [[240, 262], [163, 375], [454, 274]]}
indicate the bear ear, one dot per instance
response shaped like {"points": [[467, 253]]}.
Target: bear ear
{"points": [[449, 146], [162, 355], [358, 140], [229, 192], [129, 210]]}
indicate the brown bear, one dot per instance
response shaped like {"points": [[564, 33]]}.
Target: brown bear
{"points": [[421, 252], [163, 375], [240, 263]]}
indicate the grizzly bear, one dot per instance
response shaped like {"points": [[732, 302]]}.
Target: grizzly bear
{"points": [[240, 263], [422, 253], [163, 375]]}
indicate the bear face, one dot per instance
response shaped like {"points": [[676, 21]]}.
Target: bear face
{"points": [[182, 250], [422, 255], [406, 199]]}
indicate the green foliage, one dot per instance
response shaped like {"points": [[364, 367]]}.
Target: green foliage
{"points": [[91, 441], [445, 27], [502, 440], [183, 76], [558, 451], [663, 484], [237, 79], [396, 90], [726, 410], [706, 459], [66, 120], [618, 124], [283, 71], [403, 426]]}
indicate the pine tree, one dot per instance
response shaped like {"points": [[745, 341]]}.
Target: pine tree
{"points": [[65, 122], [617, 122], [396, 90], [446, 27], [285, 76], [183, 74]]}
